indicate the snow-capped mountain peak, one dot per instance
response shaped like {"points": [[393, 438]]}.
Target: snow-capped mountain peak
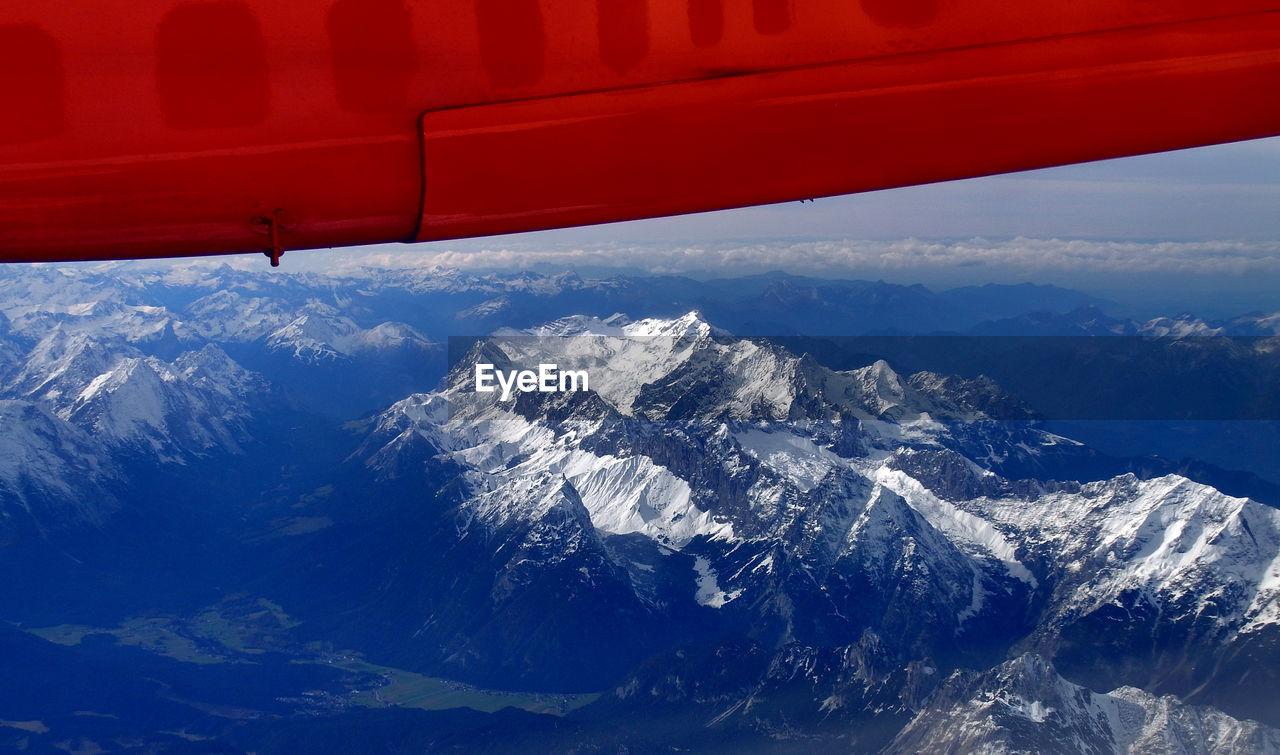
{"points": [[319, 336], [1023, 705]]}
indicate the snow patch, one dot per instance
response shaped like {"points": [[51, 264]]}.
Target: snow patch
{"points": [[708, 592]]}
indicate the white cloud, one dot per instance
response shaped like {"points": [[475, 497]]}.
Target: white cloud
{"points": [[1019, 257]]}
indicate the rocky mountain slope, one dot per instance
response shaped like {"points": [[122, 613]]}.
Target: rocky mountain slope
{"points": [[749, 490]]}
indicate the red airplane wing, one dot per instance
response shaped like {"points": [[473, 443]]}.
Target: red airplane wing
{"points": [[148, 128]]}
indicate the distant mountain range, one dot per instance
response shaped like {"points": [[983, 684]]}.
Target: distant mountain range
{"points": [[266, 516]]}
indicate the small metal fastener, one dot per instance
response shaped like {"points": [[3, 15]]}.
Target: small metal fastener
{"points": [[271, 226]]}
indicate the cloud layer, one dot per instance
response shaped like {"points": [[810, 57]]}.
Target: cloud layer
{"points": [[1019, 257]]}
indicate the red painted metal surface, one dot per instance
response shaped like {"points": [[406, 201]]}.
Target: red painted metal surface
{"points": [[137, 128]]}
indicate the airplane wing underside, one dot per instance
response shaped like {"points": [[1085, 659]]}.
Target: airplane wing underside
{"points": [[152, 128]]}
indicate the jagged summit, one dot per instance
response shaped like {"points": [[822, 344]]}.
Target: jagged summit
{"points": [[686, 369]]}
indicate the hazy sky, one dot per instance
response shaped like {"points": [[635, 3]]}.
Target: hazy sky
{"points": [[1225, 192]]}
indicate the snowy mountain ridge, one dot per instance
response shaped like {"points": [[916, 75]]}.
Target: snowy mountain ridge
{"points": [[1023, 705], [831, 489], [198, 402], [650, 368]]}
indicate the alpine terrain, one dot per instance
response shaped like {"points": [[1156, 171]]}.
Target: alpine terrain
{"points": [[239, 515]]}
